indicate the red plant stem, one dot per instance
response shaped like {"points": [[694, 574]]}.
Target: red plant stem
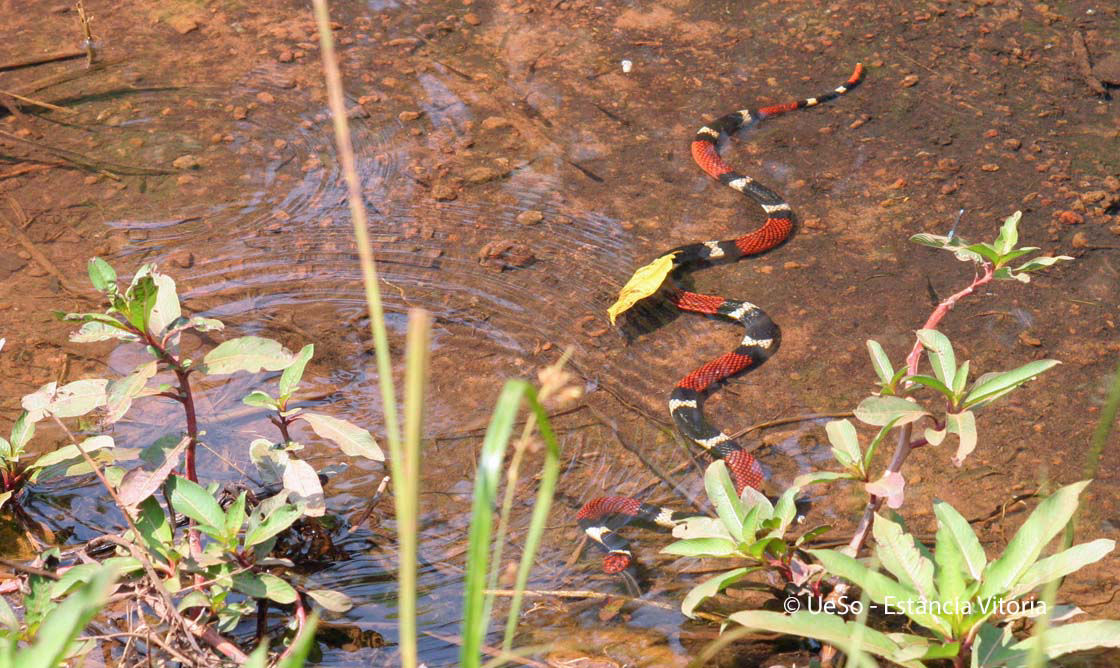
{"points": [[192, 420], [301, 623], [186, 398], [942, 309], [905, 445], [216, 641]]}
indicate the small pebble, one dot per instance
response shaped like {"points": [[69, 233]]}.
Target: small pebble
{"points": [[406, 116], [186, 162], [183, 259], [495, 122], [1070, 218], [240, 113], [480, 175], [909, 80], [442, 192], [285, 56], [530, 217], [470, 18], [1080, 240], [1028, 340], [265, 97], [989, 167]]}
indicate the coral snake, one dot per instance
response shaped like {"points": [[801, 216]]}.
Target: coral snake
{"points": [[601, 518]]}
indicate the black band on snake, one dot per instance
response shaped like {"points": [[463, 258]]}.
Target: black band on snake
{"points": [[601, 518]]}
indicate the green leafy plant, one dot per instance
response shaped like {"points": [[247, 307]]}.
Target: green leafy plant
{"points": [[963, 602], [747, 527], [223, 567], [997, 255], [46, 637], [920, 409]]}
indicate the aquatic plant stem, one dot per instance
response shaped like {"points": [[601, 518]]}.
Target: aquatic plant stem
{"points": [[185, 397]]}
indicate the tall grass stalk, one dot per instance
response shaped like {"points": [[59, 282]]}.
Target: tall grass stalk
{"points": [[1105, 426], [397, 459], [477, 605], [406, 485]]}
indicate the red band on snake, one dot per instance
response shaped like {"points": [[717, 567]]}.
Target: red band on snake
{"points": [[601, 518]]}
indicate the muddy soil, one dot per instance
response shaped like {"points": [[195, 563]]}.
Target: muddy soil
{"points": [[516, 174]]}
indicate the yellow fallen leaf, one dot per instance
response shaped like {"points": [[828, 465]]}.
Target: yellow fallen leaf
{"points": [[642, 284]]}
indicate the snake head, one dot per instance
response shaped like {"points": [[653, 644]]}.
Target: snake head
{"points": [[616, 562]]}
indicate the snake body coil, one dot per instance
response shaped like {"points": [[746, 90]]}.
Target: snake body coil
{"points": [[601, 518]]}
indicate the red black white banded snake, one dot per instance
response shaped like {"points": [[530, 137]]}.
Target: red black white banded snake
{"points": [[601, 518]]}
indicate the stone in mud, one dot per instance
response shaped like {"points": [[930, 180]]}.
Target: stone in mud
{"points": [[240, 113], [183, 259], [496, 122], [909, 80], [531, 217], [480, 175], [1107, 69], [444, 192], [1070, 218], [406, 116], [502, 254], [187, 161], [265, 97], [182, 24], [10, 264], [470, 18]]}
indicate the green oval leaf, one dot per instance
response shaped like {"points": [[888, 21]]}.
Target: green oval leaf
{"points": [[957, 529], [1049, 518], [335, 601], [101, 274], [721, 492], [988, 388], [845, 443], [353, 440], [260, 400], [881, 410], [278, 521], [701, 547], [289, 380], [880, 361], [247, 353], [711, 587], [190, 499], [940, 353]]}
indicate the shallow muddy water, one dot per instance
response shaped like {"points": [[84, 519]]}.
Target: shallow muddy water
{"points": [[515, 175]]}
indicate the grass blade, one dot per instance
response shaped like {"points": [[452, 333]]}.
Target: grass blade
{"points": [[369, 281], [406, 486], [477, 605]]}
